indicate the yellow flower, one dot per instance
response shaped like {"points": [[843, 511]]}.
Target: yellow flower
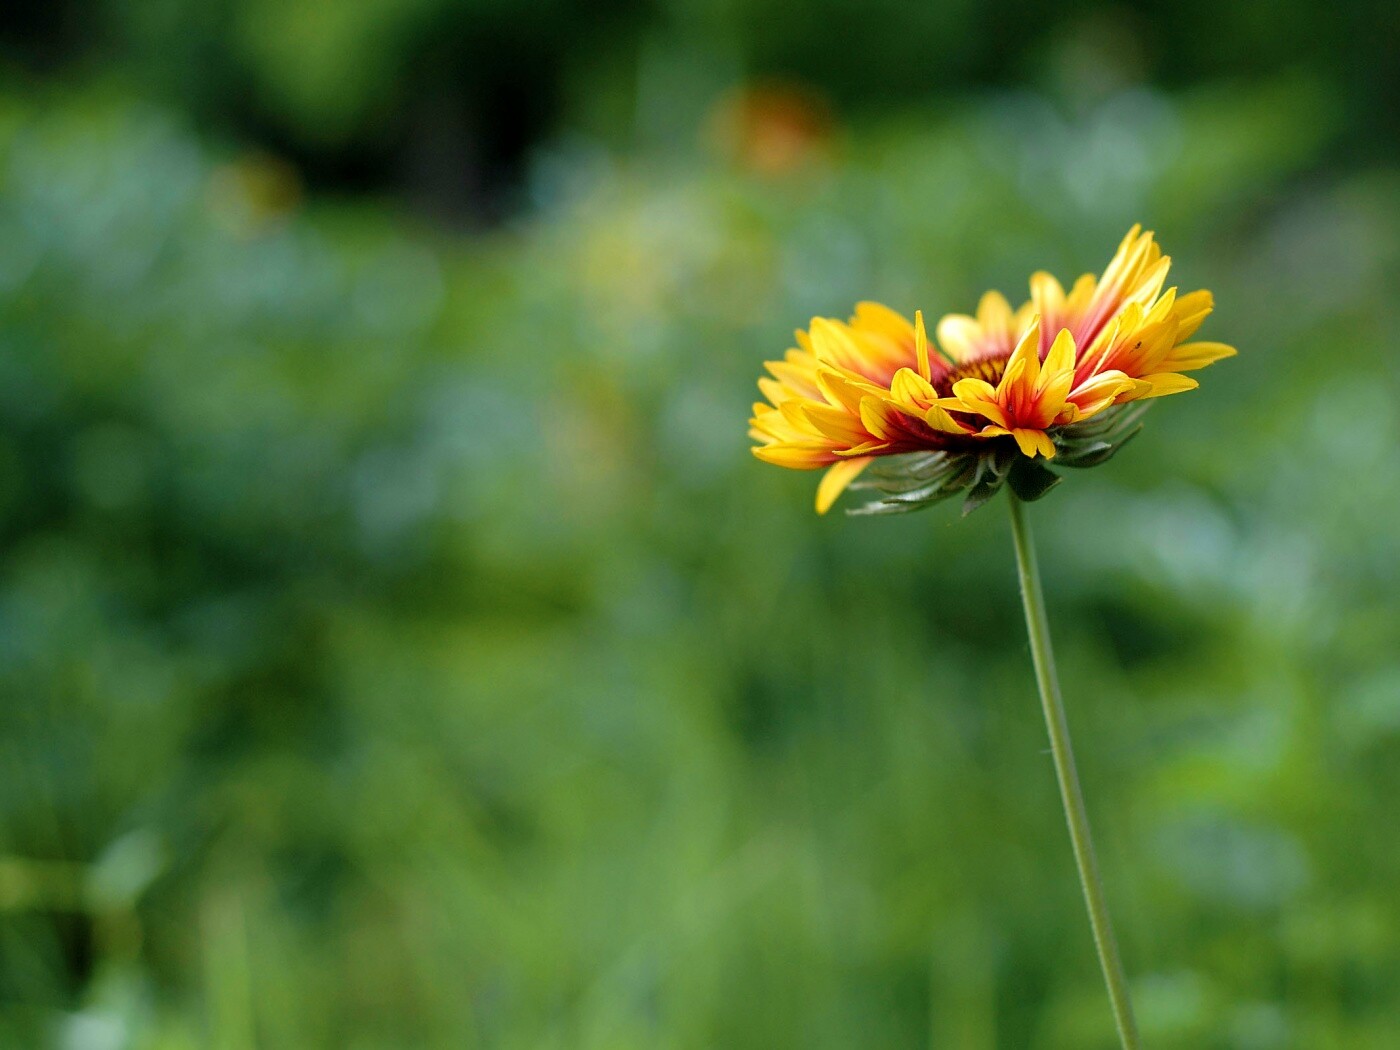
{"points": [[1003, 382]]}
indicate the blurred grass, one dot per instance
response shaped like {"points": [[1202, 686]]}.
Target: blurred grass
{"points": [[399, 646]]}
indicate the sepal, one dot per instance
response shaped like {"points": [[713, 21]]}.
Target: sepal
{"points": [[1030, 479], [1100, 438]]}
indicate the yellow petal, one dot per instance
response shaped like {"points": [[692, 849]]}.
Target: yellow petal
{"points": [[994, 312], [1168, 383], [770, 427], [1081, 295], [1163, 307], [1048, 295], [832, 343], [975, 396], [1128, 240], [1032, 441], [793, 456], [773, 390], [1029, 441], [842, 390], [1190, 356], [867, 448], [921, 345], [795, 377], [835, 423], [1061, 355], [1191, 310], [938, 418], [1105, 383], [794, 411], [959, 335], [877, 317], [1154, 343], [1022, 317], [1015, 387], [1050, 395], [1027, 354], [1152, 279], [835, 480], [875, 415], [1103, 387], [1128, 258], [909, 387]]}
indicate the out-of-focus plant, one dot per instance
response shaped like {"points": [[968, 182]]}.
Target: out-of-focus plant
{"points": [[410, 598]]}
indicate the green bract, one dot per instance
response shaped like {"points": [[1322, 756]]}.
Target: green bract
{"points": [[920, 479]]}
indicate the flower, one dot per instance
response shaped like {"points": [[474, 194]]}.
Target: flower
{"points": [[994, 396]]}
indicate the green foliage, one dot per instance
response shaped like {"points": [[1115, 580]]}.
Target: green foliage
{"points": [[401, 648]]}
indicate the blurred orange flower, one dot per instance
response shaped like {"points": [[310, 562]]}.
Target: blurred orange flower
{"points": [[772, 129]]}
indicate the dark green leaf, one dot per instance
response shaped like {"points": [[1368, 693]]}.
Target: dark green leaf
{"points": [[1030, 479], [984, 490]]}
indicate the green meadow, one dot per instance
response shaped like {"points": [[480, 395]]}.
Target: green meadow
{"points": [[400, 646]]}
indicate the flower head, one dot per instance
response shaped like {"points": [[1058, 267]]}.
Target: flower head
{"points": [[994, 396]]}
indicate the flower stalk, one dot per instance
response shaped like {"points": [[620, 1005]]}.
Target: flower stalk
{"points": [[1038, 630]]}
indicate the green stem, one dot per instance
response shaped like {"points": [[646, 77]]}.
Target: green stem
{"points": [[1038, 628]]}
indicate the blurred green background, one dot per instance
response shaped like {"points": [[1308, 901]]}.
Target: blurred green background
{"points": [[399, 646]]}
